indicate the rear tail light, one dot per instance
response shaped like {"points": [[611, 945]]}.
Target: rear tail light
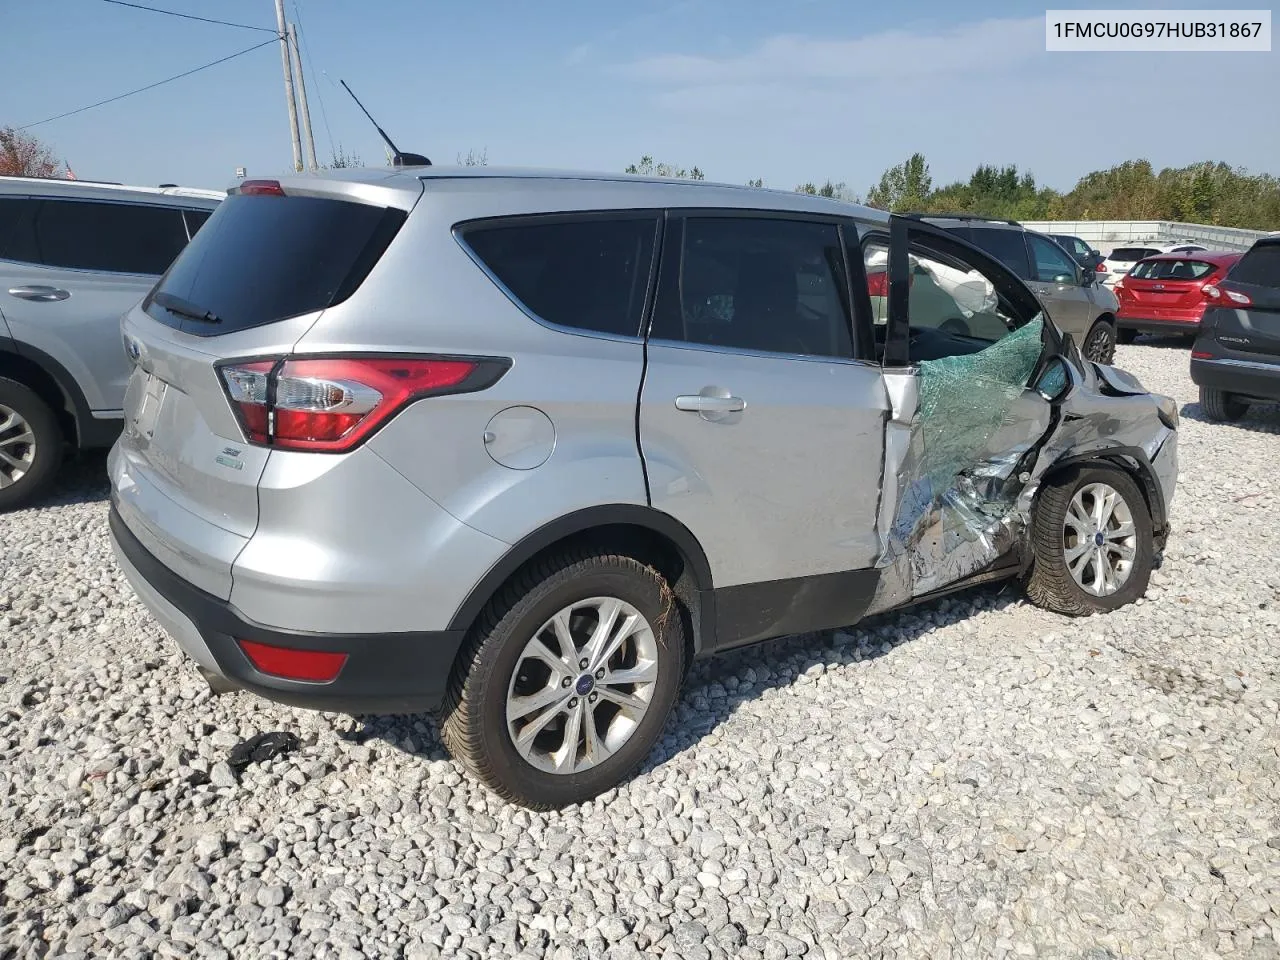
{"points": [[312, 666], [1100, 268], [1201, 355], [331, 404], [878, 284], [1227, 298]]}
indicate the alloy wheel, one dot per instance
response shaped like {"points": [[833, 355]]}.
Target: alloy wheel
{"points": [[1099, 540], [17, 446], [582, 685]]}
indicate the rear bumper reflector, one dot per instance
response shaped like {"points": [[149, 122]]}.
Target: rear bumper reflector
{"points": [[312, 666]]}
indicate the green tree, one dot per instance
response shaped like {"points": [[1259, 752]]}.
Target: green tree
{"points": [[650, 168], [473, 159], [906, 186], [837, 191], [343, 159], [757, 182]]}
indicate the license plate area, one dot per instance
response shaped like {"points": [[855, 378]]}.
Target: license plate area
{"points": [[154, 391]]}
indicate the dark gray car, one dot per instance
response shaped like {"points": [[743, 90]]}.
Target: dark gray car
{"points": [[1070, 293], [74, 256]]}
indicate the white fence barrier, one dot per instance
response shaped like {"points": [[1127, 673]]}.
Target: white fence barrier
{"points": [[1107, 234]]}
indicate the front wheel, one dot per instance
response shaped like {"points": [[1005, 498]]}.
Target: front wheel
{"points": [[567, 679], [30, 444], [1222, 406], [1092, 540], [1100, 343]]}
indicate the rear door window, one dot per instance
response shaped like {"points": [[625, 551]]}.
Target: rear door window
{"points": [[1260, 266], [763, 285], [589, 273], [1007, 246], [260, 259], [111, 237], [18, 229]]}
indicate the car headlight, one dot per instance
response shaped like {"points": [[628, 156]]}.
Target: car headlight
{"points": [[1168, 410]]}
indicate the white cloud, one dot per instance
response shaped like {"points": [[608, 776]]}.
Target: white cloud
{"points": [[988, 46]]}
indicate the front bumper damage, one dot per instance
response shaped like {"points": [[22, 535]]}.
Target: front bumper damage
{"points": [[968, 448]]}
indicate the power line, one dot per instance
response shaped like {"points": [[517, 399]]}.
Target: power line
{"points": [[151, 86], [189, 16]]}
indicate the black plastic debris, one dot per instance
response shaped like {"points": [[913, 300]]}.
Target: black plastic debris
{"points": [[263, 747]]}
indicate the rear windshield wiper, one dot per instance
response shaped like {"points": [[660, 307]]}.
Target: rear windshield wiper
{"points": [[185, 308]]}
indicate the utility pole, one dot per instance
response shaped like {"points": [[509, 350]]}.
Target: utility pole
{"points": [[308, 141], [288, 86]]}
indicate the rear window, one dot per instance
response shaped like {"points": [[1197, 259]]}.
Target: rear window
{"points": [[1260, 266], [258, 260], [589, 273], [1129, 254], [1172, 270], [1007, 246]]}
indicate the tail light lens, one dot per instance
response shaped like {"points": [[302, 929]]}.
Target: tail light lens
{"points": [[1226, 298], [261, 188], [1100, 268], [331, 404], [1201, 355], [878, 284]]}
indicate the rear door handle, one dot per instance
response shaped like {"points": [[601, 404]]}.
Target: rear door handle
{"points": [[39, 293], [711, 403]]}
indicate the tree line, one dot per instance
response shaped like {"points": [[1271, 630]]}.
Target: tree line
{"points": [[1208, 192]]}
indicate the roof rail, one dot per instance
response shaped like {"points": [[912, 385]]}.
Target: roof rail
{"points": [[959, 216]]}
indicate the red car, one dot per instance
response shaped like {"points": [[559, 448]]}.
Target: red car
{"points": [[1167, 293]]}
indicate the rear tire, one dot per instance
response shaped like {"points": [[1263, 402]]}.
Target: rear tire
{"points": [[1100, 343], [1222, 406], [515, 660], [30, 444], [1126, 335], [1071, 573]]}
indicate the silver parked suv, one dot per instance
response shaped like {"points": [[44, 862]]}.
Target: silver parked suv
{"points": [[1070, 292], [517, 446], [74, 256]]}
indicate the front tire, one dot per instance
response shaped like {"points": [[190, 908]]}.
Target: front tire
{"points": [[1221, 406], [1100, 343], [567, 679], [30, 444], [1092, 540]]}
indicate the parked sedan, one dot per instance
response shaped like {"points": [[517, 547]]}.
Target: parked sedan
{"points": [[1236, 359], [1165, 293]]}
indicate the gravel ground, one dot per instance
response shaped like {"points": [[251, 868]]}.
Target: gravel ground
{"points": [[977, 778]]}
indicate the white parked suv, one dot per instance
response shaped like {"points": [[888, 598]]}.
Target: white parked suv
{"points": [[1121, 259]]}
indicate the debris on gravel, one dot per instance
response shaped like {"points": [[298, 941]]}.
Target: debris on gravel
{"points": [[971, 778]]}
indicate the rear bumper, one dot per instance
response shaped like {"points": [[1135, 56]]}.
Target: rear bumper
{"points": [[1189, 324], [1245, 378], [383, 673]]}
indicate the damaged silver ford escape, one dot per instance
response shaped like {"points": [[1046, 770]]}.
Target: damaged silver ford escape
{"points": [[517, 446]]}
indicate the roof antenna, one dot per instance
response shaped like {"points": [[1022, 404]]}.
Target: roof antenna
{"points": [[398, 159]]}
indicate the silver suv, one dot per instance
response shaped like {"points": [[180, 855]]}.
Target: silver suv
{"points": [[1071, 293], [517, 446], [74, 256]]}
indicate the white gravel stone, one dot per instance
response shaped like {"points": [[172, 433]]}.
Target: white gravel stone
{"points": [[972, 778]]}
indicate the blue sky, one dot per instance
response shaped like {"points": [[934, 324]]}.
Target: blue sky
{"points": [[789, 92]]}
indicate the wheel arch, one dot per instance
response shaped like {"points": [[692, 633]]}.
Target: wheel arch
{"points": [[51, 382], [1135, 462], [638, 531]]}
